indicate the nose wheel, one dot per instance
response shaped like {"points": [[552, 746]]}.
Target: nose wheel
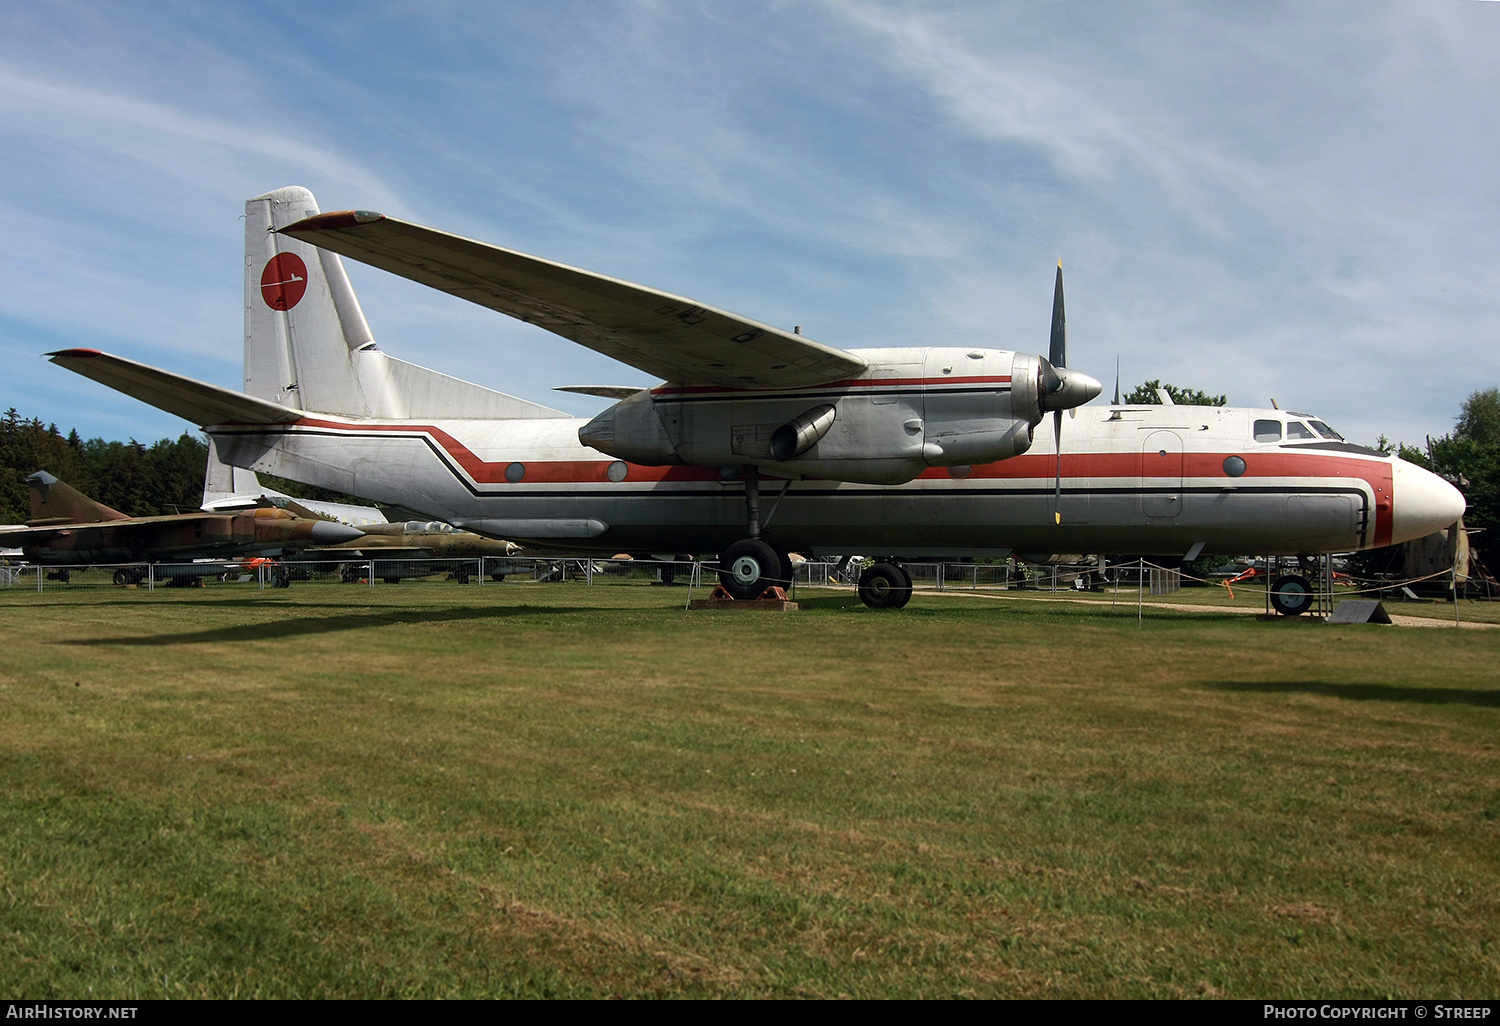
{"points": [[885, 586], [1291, 594]]}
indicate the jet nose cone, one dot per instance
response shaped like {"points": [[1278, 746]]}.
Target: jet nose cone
{"points": [[1421, 503], [328, 533]]}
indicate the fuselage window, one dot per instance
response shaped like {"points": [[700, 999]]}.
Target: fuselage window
{"points": [[1268, 430], [1298, 430], [1326, 431]]}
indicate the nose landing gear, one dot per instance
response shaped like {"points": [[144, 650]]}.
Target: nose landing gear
{"points": [[1291, 595]]}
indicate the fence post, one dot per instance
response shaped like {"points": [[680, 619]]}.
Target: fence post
{"points": [[38, 580], [150, 576], [1455, 588], [481, 571], [1140, 592]]}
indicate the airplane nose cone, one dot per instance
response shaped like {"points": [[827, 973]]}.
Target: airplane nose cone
{"points": [[325, 532], [1421, 503]]}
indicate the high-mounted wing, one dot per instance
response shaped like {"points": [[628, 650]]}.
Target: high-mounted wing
{"points": [[675, 338]]}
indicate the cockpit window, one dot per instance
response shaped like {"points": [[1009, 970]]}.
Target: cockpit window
{"points": [[1295, 429], [1326, 431], [1268, 430]]}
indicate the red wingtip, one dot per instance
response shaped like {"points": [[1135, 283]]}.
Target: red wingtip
{"points": [[76, 353], [333, 220]]}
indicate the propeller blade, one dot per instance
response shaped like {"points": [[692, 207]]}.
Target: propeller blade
{"points": [[1057, 355]]}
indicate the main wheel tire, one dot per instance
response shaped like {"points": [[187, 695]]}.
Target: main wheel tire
{"points": [[884, 586], [461, 576], [497, 577], [748, 567], [906, 592], [124, 577], [1291, 595]]}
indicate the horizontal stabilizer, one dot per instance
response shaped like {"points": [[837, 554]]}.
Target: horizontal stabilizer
{"points": [[602, 391], [196, 401], [673, 337]]}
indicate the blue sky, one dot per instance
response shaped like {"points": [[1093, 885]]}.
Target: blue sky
{"points": [[1291, 200]]}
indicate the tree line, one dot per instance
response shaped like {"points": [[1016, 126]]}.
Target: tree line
{"points": [[140, 480]]}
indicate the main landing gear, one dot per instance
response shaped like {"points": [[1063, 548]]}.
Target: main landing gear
{"points": [[751, 566]]}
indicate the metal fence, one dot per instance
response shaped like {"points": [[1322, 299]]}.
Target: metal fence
{"points": [[513, 570]]}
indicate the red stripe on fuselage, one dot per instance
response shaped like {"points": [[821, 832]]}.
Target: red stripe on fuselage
{"points": [[1122, 466]]}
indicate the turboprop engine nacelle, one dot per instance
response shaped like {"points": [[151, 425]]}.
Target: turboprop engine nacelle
{"points": [[910, 410]]}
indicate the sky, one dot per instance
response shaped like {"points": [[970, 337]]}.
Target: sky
{"points": [[1284, 200]]}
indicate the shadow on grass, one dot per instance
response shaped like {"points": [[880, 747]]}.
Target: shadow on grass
{"points": [[1367, 692], [324, 625]]}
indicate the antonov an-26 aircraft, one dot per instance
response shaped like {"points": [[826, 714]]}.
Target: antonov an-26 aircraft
{"points": [[759, 441]]}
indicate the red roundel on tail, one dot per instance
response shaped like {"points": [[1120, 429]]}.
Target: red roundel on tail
{"points": [[284, 281]]}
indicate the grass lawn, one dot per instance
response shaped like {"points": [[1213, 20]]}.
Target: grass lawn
{"points": [[555, 790]]}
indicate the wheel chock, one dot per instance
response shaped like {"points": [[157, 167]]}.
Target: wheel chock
{"points": [[772, 599]]}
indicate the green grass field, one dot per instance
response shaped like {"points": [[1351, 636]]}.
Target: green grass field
{"points": [[554, 790]]}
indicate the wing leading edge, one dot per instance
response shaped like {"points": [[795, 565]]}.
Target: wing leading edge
{"points": [[675, 338]]}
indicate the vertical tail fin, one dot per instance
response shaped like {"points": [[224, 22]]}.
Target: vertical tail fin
{"points": [[304, 330], [307, 345], [51, 500]]}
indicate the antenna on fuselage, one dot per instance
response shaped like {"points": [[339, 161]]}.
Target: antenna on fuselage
{"points": [[1117, 381]]}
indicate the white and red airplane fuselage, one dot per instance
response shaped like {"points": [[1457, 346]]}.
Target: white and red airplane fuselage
{"points": [[1161, 480]]}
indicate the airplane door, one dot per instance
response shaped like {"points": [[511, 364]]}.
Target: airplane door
{"points": [[1161, 474]]}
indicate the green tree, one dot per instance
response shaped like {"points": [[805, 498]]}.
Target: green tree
{"points": [[1479, 420], [131, 477], [1145, 395], [1470, 458]]}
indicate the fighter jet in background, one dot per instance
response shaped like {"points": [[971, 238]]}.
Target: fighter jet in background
{"points": [[67, 528], [438, 546]]}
